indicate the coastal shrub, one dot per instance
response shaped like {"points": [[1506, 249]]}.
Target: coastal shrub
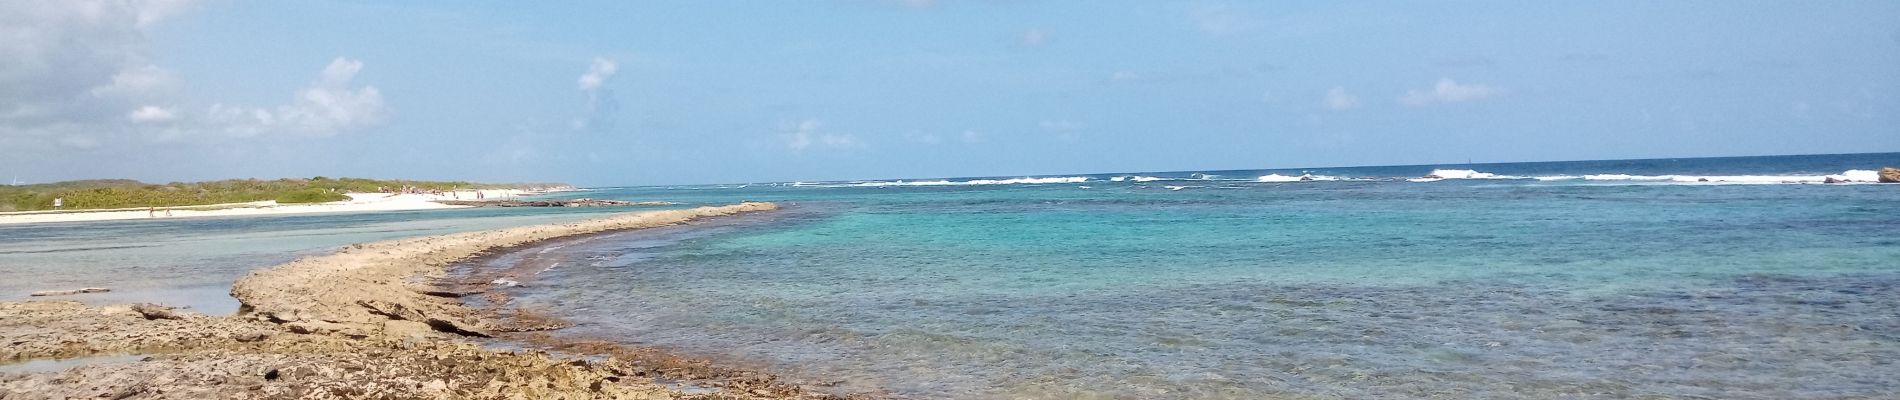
{"points": [[126, 193], [310, 196]]}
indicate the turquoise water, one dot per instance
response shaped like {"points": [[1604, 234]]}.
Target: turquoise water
{"points": [[1361, 284], [1718, 278]]}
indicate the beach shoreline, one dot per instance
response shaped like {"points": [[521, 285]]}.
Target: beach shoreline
{"points": [[369, 320], [358, 202]]}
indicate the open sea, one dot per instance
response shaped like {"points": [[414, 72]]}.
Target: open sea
{"points": [[1730, 278]]}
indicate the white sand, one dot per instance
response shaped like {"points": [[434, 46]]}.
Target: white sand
{"points": [[358, 202]]}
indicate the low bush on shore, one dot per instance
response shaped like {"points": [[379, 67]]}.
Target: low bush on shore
{"points": [[126, 193], [310, 196]]}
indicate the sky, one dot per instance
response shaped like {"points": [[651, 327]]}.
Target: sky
{"points": [[676, 92]]}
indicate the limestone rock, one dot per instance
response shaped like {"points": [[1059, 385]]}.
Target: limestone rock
{"points": [[1890, 175], [154, 311]]}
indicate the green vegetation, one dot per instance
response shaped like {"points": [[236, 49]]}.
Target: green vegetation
{"points": [[124, 193], [310, 196]]}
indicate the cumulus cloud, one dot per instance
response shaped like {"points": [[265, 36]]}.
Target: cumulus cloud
{"points": [[810, 134], [1448, 91], [71, 65], [78, 75], [151, 114], [1338, 100], [597, 73], [599, 99], [326, 107]]}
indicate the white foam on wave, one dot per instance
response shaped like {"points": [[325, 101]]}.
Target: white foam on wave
{"points": [[1855, 176], [1852, 176], [1302, 177], [1463, 174], [974, 182]]}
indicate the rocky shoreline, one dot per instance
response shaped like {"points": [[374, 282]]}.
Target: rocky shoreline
{"points": [[369, 321]]}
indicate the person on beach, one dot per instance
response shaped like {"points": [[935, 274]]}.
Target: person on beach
{"points": [[151, 212]]}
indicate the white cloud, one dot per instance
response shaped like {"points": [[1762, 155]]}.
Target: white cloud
{"points": [[810, 134], [599, 99], [79, 76], [1035, 38], [326, 107], [1338, 100], [151, 114], [75, 66], [1124, 75], [970, 136], [1448, 91], [598, 73]]}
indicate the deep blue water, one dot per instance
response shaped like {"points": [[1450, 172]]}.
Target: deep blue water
{"points": [[1718, 278]]}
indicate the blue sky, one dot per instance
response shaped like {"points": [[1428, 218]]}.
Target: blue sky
{"points": [[626, 93]]}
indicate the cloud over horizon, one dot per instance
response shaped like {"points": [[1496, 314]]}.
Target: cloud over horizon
{"points": [[810, 134], [1448, 91], [327, 107]]}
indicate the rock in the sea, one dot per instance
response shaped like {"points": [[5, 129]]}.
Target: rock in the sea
{"points": [[1890, 175], [1833, 180], [67, 292]]}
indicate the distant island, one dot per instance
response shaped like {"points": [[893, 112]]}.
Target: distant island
{"points": [[126, 193]]}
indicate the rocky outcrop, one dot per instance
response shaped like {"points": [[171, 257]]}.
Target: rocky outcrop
{"points": [[1890, 175], [350, 325], [64, 329], [356, 290]]}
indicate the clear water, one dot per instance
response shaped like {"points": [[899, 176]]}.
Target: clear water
{"points": [[192, 262], [1226, 287], [1599, 279]]}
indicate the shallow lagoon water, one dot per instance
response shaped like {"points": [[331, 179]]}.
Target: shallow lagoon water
{"points": [[192, 262], [1235, 289], [1181, 285]]}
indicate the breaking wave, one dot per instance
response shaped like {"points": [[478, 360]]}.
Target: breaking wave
{"points": [[1849, 176], [975, 182]]}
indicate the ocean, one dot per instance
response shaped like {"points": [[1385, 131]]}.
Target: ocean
{"points": [[1732, 278]]}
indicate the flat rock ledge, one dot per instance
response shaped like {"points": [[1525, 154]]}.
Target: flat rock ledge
{"points": [[365, 322]]}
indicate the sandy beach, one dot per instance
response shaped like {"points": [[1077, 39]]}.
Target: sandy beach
{"points": [[371, 320], [358, 202]]}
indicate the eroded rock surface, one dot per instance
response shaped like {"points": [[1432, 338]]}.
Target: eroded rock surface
{"points": [[361, 323]]}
